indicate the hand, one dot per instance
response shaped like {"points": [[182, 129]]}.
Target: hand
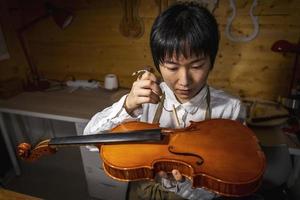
{"points": [[144, 90], [176, 174]]}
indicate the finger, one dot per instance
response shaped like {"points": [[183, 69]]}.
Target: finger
{"points": [[154, 84], [143, 92], [156, 89], [142, 97], [147, 99], [177, 175], [149, 84], [146, 90], [142, 74], [141, 100], [154, 98], [162, 174], [149, 76]]}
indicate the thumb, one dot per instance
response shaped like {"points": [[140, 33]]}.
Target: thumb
{"points": [[177, 175]]}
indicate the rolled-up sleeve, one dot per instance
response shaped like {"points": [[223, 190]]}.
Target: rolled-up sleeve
{"points": [[108, 118]]}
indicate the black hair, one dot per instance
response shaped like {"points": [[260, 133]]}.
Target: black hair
{"points": [[184, 29]]}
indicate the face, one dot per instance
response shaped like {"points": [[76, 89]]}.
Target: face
{"points": [[185, 76]]}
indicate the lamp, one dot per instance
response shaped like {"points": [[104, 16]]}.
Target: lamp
{"points": [[62, 18], [284, 46]]}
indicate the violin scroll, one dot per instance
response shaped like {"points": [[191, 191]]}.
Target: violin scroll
{"points": [[25, 152]]}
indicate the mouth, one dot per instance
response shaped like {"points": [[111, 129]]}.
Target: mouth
{"points": [[183, 92]]}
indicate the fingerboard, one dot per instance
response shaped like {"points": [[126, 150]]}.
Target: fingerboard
{"points": [[149, 135]]}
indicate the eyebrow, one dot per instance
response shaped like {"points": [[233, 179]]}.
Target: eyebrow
{"points": [[193, 61]]}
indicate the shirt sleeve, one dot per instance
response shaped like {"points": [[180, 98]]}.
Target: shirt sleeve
{"points": [[109, 118]]}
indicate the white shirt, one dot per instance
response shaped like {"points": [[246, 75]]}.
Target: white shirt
{"points": [[222, 105]]}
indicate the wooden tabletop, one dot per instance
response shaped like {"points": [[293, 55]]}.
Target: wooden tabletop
{"points": [[64, 104], [11, 195]]}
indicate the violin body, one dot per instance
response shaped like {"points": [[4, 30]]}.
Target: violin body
{"points": [[220, 155]]}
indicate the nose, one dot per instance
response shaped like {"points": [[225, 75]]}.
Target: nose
{"points": [[183, 77]]}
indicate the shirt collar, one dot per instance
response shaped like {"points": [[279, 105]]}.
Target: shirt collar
{"points": [[191, 106]]}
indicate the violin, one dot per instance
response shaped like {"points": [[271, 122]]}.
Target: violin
{"points": [[219, 155]]}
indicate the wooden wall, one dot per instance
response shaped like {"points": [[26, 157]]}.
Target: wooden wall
{"points": [[15, 66], [93, 45], [251, 69]]}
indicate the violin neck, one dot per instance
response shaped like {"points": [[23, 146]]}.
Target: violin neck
{"points": [[150, 135]]}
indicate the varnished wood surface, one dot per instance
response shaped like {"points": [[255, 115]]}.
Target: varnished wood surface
{"points": [[220, 155], [11, 195], [80, 104]]}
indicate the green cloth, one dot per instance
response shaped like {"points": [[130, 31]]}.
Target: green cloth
{"points": [[149, 190]]}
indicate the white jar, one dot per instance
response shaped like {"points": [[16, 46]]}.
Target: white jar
{"points": [[111, 82]]}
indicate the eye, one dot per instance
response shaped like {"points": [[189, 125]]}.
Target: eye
{"points": [[171, 67], [196, 66]]}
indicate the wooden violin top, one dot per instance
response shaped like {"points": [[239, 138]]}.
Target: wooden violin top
{"points": [[220, 155]]}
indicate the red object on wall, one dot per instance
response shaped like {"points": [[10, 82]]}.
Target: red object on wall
{"points": [[284, 46]]}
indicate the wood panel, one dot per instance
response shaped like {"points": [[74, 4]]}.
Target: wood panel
{"points": [[252, 69], [16, 65], [93, 45]]}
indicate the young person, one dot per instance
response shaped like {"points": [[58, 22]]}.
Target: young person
{"points": [[184, 43]]}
